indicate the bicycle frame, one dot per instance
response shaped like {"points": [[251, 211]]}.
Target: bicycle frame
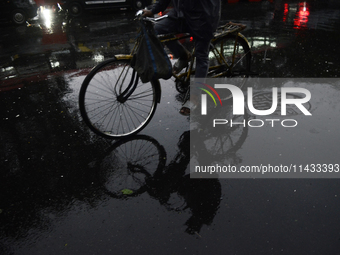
{"points": [[222, 31]]}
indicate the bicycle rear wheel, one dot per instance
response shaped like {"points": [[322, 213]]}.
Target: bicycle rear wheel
{"points": [[230, 57], [114, 102]]}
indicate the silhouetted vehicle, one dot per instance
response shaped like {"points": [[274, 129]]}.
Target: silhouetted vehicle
{"points": [[77, 7], [17, 11]]}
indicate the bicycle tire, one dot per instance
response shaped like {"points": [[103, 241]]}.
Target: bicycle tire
{"points": [[129, 163], [238, 58], [101, 104], [227, 140], [223, 141], [235, 51]]}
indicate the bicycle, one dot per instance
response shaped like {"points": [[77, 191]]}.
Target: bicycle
{"points": [[114, 103], [140, 165]]}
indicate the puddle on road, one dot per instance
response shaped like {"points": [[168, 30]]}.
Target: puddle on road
{"points": [[51, 186]]}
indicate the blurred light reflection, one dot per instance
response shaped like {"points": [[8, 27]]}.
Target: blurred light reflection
{"points": [[301, 19], [98, 57], [47, 18]]}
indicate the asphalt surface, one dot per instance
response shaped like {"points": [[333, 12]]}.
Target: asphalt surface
{"points": [[57, 177]]}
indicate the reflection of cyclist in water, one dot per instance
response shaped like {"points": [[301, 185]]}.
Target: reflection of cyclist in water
{"points": [[137, 165], [197, 17], [201, 196]]}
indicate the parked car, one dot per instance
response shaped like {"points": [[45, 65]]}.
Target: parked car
{"points": [[77, 7], [18, 11]]}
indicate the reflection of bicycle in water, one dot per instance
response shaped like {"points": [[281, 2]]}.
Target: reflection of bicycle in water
{"points": [[113, 101], [137, 165]]}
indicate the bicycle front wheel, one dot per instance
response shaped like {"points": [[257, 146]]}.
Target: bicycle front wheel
{"points": [[129, 164], [114, 102]]}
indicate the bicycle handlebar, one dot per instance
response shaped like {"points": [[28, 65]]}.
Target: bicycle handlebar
{"points": [[139, 15]]}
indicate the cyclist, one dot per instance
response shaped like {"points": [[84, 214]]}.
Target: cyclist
{"points": [[200, 18]]}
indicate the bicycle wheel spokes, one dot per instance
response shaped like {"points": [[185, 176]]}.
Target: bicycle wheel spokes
{"points": [[223, 145], [114, 102], [230, 57], [129, 164]]}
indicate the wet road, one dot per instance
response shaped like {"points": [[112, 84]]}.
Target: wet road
{"points": [[57, 178]]}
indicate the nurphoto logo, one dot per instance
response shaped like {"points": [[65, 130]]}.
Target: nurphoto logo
{"points": [[281, 100]]}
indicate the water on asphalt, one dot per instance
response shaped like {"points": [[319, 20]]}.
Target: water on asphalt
{"points": [[58, 180]]}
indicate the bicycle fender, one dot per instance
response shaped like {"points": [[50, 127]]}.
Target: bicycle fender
{"points": [[244, 38]]}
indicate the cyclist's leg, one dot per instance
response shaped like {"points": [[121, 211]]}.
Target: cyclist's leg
{"points": [[169, 26], [201, 70], [202, 60]]}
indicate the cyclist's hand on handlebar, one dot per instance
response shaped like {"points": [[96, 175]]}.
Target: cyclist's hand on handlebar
{"points": [[147, 13]]}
